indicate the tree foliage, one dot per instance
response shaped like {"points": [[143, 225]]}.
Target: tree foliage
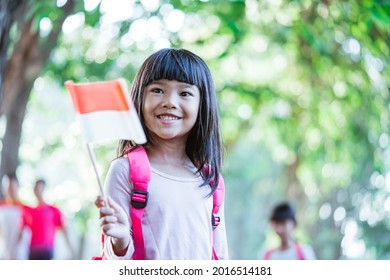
{"points": [[304, 100]]}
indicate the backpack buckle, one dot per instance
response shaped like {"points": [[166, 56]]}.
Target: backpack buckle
{"points": [[139, 198], [215, 221]]}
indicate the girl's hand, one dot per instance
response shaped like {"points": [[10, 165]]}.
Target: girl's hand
{"points": [[114, 223]]}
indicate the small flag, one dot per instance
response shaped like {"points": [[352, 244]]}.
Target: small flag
{"points": [[105, 112]]}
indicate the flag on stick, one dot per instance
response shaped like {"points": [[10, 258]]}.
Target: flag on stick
{"points": [[105, 112]]}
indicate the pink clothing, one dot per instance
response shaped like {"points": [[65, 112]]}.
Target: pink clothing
{"points": [[43, 221], [303, 252], [177, 219]]}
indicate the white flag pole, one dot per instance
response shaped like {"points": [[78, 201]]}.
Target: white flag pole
{"points": [[93, 160]]}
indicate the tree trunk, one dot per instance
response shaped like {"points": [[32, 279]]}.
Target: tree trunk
{"points": [[293, 190], [7, 17], [25, 65], [18, 82]]}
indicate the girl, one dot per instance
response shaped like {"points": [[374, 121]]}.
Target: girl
{"points": [[283, 222], [175, 98]]}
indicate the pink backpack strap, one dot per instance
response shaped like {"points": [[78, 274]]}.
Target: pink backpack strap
{"points": [[218, 197], [267, 255], [298, 249], [140, 176]]}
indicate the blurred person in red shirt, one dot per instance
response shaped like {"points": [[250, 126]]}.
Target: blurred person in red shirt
{"points": [[44, 220]]}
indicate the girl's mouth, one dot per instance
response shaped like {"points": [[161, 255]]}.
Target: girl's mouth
{"points": [[168, 117]]}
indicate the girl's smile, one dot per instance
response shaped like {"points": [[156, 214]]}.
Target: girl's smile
{"points": [[167, 117]]}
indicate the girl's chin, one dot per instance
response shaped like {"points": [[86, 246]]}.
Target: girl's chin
{"points": [[166, 136]]}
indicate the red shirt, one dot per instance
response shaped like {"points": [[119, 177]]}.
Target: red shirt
{"points": [[43, 220]]}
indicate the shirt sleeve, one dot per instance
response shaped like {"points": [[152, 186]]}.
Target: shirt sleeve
{"points": [[59, 218], [118, 187]]}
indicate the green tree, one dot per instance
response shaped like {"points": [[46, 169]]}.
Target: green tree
{"points": [[304, 100]]}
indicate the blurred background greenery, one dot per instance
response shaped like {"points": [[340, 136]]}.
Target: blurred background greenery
{"points": [[304, 98]]}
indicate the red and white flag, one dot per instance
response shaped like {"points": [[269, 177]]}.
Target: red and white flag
{"points": [[105, 112]]}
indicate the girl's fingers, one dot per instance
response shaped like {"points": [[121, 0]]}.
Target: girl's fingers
{"points": [[99, 202], [106, 228], [106, 211], [108, 219]]}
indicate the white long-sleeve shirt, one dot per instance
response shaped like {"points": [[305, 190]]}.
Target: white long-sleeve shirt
{"points": [[177, 219]]}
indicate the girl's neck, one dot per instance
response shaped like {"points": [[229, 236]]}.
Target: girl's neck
{"points": [[172, 159], [167, 152], [287, 244]]}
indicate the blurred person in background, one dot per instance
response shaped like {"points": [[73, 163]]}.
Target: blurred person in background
{"points": [[44, 220], [283, 223], [11, 216]]}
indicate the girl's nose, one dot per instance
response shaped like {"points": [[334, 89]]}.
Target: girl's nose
{"points": [[169, 101]]}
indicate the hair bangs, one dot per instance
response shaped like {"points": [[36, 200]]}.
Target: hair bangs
{"points": [[178, 66], [283, 212]]}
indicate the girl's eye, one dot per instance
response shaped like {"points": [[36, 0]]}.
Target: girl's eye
{"points": [[185, 94], [156, 90]]}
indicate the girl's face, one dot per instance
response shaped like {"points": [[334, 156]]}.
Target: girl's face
{"points": [[170, 108], [283, 228]]}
